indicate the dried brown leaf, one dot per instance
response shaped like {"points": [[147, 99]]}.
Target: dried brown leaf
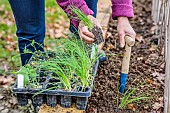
{"points": [[5, 111], [139, 38], [160, 77], [150, 82], [1, 96], [139, 58], [109, 47], [6, 80], [157, 106], [153, 48], [131, 106]]}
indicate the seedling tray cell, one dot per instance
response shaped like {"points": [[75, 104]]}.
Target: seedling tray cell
{"points": [[66, 101], [22, 99], [51, 100], [37, 100]]}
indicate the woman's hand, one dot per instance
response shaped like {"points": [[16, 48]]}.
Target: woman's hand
{"points": [[124, 28], [84, 33]]}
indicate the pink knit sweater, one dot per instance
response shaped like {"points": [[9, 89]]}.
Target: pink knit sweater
{"points": [[119, 8]]}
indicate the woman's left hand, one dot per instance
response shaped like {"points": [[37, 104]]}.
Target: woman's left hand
{"points": [[124, 28]]}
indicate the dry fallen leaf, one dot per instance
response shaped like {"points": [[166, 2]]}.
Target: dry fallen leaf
{"points": [[108, 35], [95, 110], [139, 58], [9, 38], [9, 48], [131, 106], [139, 38], [1, 108], [109, 47], [1, 96], [163, 51], [153, 47], [161, 101], [146, 107], [152, 29], [5, 111], [155, 74], [57, 26], [6, 80], [157, 106], [13, 101], [160, 77], [162, 65], [150, 82]]}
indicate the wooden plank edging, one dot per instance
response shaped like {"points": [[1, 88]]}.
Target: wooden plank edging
{"points": [[156, 14]]}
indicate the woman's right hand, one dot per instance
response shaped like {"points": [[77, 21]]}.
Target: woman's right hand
{"points": [[84, 33]]}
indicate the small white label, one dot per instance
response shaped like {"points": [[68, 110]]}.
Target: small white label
{"points": [[20, 81]]}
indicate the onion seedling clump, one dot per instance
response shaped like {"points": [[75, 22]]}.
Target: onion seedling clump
{"points": [[69, 64]]}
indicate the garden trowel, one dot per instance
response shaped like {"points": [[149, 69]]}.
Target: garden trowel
{"points": [[125, 63]]}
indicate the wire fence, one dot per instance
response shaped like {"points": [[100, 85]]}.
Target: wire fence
{"points": [[161, 18]]}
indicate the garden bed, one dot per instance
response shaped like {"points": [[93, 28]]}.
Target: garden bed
{"points": [[146, 66]]}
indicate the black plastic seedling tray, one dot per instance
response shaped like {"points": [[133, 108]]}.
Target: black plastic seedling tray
{"points": [[53, 97]]}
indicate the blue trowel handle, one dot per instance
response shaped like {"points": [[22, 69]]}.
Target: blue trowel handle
{"points": [[125, 63]]}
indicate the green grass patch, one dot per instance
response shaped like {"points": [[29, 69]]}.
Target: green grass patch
{"points": [[5, 4]]}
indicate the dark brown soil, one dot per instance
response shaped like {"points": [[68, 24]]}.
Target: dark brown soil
{"points": [[98, 35], [146, 65]]}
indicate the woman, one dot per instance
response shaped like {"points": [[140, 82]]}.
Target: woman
{"points": [[30, 20]]}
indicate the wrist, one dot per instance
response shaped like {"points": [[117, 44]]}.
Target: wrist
{"points": [[122, 19]]}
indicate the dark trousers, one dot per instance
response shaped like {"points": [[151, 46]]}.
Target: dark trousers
{"points": [[30, 21]]}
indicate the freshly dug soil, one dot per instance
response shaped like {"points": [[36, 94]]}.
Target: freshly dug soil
{"points": [[147, 65]]}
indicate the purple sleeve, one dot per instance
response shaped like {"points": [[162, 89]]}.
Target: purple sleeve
{"points": [[122, 8], [81, 4]]}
